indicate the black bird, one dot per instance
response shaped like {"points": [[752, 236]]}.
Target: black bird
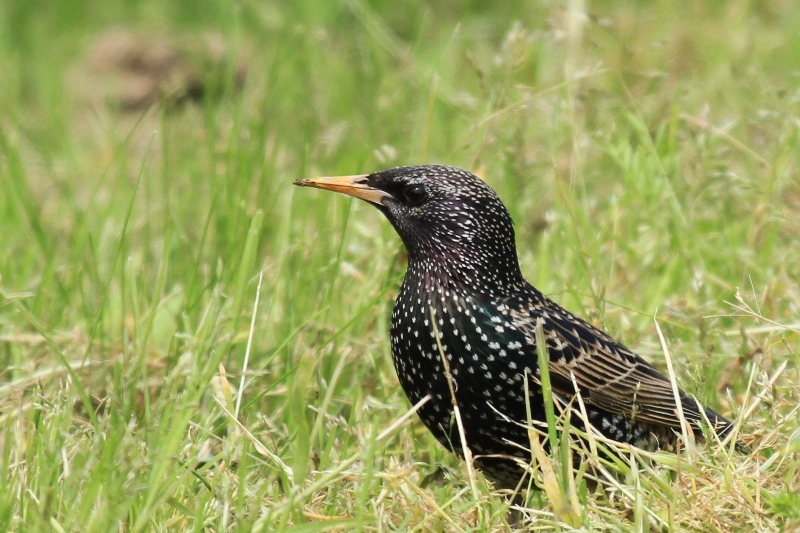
{"points": [[462, 264]]}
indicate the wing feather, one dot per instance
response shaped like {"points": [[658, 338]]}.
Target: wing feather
{"points": [[608, 375]]}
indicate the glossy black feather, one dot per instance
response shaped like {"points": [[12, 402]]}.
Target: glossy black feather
{"points": [[463, 267]]}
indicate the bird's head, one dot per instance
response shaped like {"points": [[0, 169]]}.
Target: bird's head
{"points": [[446, 216]]}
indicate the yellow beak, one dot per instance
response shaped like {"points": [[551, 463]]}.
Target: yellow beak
{"points": [[350, 185]]}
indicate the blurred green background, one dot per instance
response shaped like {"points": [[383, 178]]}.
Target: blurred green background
{"points": [[648, 152]]}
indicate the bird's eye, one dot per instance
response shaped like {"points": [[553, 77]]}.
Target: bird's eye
{"points": [[415, 194]]}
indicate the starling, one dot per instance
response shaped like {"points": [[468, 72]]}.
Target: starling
{"points": [[463, 271]]}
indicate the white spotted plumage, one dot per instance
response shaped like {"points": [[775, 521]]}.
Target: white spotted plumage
{"points": [[463, 270]]}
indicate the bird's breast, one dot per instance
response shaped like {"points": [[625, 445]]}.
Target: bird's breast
{"points": [[456, 346]]}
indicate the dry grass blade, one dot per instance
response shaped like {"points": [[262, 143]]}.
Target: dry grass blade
{"points": [[456, 411], [686, 429], [246, 361]]}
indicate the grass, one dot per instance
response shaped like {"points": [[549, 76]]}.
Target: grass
{"points": [[648, 153]]}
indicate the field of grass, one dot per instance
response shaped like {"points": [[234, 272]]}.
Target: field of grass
{"points": [[187, 342]]}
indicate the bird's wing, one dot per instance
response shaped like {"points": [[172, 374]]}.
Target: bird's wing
{"points": [[608, 374]]}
